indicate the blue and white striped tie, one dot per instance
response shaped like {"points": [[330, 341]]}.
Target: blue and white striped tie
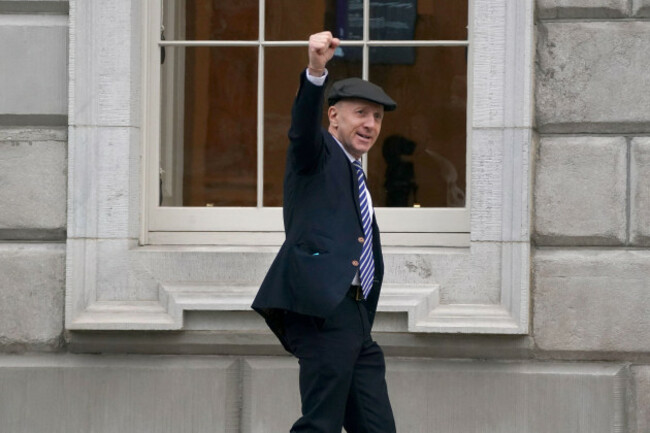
{"points": [[367, 261]]}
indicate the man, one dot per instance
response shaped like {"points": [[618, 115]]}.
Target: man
{"points": [[320, 294]]}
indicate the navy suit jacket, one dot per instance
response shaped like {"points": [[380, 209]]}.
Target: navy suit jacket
{"points": [[324, 234]]}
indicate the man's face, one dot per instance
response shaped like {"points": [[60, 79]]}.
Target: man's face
{"points": [[356, 123]]}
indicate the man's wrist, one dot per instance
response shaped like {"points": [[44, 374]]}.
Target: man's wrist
{"points": [[315, 72], [317, 80]]}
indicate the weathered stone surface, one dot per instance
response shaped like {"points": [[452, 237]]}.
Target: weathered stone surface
{"points": [[454, 397], [277, 413], [105, 54], [100, 182], [580, 191], [62, 394], [641, 8], [640, 192], [31, 295], [33, 193], [641, 406], [33, 134], [591, 300], [592, 76], [34, 6], [35, 81], [581, 8]]}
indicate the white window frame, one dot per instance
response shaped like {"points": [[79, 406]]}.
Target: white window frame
{"points": [[234, 225], [115, 282]]}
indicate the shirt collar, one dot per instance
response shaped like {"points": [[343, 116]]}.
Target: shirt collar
{"points": [[350, 157]]}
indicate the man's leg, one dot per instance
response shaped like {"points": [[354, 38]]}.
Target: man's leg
{"points": [[368, 408], [327, 355]]}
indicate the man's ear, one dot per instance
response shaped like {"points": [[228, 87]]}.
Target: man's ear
{"points": [[332, 115]]}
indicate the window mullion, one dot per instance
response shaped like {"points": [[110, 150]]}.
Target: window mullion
{"points": [[366, 38], [365, 62], [260, 106]]}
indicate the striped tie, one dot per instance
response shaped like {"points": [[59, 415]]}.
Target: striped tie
{"points": [[367, 261]]}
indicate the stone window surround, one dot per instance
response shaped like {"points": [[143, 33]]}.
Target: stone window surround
{"points": [[113, 283]]}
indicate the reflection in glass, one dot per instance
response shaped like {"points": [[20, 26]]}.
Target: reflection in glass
{"points": [[208, 127], [418, 19], [392, 20], [212, 19], [287, 20], [420, 156], [399, 179], [389, 19], [209, 99]]}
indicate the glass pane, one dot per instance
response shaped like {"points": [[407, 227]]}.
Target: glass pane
{"points": [[287, 21], [400, 20], [418, 19], [211, 19], [281, 76], [209, 127], [419, 158]]}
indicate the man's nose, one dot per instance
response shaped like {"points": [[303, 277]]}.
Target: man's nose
{"points": [[370, 122]]}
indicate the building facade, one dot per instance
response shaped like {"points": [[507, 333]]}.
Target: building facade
{"points": [[516, 296]]}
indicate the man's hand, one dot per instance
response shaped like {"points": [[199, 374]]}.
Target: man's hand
{"points": [[321, 50]]}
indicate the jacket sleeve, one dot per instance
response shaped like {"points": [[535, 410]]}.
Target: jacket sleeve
{"points": [[306, 145]]}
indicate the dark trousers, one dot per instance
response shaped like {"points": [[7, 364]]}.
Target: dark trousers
{"points": [[342, 372]]}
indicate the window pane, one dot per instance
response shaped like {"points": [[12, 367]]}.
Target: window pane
{"points": [[420, 155], [208, 126], [281, 76], [389, 19], [214, 19], [287, 21], [401, 20], [418, 19]]}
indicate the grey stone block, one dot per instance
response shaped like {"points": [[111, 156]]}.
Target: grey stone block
{"points": [[641, 8], [641, 407], [580, 191], [62, 394], [33, 178], [35, 81], [581, 8], [31, 295], [640, 192], [274, 411], [592, 77], [455, 397], [591, 300], [34, 6]]}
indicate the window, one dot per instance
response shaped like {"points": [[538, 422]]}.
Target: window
{"points": [[228, 71], [115, 282]]}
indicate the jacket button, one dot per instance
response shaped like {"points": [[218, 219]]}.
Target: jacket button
{"points": [[355, 263], [361, 239]]}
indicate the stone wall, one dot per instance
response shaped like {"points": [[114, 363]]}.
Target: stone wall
{"points": [[584, 367], [33, 173], [591, 285]]}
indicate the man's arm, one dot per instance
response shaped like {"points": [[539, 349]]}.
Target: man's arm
{"points": [[306, 144]]}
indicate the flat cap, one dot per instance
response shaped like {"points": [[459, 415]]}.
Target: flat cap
{"points": [[356, 88]]}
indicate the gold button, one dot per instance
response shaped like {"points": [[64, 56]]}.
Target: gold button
{"points": [[361, 239], [355, 263]]}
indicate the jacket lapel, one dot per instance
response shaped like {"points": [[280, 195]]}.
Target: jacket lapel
{"points": [[352, 176]]}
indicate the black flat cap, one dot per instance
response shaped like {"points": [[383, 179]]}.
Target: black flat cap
{"points": [[356, 88]]}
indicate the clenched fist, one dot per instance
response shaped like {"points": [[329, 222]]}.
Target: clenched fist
{"points": [[321, 50]]}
